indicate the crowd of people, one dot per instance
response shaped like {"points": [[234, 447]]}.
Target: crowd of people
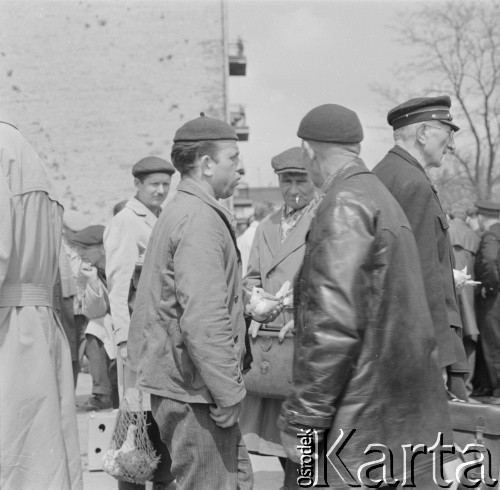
{"points": [[384, 306]]}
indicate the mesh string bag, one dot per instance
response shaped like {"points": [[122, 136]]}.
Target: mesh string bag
{"points": [[131, 456]]}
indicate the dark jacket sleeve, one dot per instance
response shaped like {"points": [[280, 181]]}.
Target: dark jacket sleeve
{"points": [[486, 267], [329, 336]]}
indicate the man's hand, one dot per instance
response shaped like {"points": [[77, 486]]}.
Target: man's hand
{"points": [[290, 443], [89, 272], [287, 328], [225, 416], [254, 328], [462, 279], [122, 350], [269, 314]]}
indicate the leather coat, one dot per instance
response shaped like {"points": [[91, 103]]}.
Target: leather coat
{"points": [[365, 350]]}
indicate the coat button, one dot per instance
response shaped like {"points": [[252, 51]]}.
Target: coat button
{"points": [[236, 298]]}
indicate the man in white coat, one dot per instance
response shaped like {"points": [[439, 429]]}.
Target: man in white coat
{"points": [[38, 428], [126, 238]]}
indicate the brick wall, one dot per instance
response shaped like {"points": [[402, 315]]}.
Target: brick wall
{"points": [[96, 85]]}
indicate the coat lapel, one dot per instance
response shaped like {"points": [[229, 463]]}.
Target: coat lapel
{"points": [[138, 208], [271, 230], [295, 239]]}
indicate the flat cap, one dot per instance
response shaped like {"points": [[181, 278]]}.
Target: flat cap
{"points": [[422, 109], [331, 123], [289, 161], [75, 220], [205, 128], [92, 235], [488, 208], [152, 165]]}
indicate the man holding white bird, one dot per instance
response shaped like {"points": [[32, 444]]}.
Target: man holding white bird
{"points": [[276, 255]]}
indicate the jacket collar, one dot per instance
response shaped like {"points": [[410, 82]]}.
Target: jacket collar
{"points": [[190, 186], [402, 153], [405, 155], [141, 210], [353, 167]]}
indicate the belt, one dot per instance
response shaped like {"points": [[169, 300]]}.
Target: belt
{"points": [[26, 295]]}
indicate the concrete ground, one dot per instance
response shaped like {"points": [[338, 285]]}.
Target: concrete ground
{"points": [[267, 470]]}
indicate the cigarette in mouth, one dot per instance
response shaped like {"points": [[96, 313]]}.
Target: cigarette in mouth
{"points": [[297, 200]]}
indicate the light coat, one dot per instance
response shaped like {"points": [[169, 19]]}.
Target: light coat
{"points": [[38, 427], [465, 244], [126, 238], [271, 264]]}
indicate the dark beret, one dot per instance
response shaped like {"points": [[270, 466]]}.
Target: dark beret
{"points": [[152, 165], [331, 123], [205, 128], [422, 109], [92, 235], [488, 208], [289, 161]]}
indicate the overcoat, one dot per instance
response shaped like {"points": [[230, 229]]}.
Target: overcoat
{"points": [[365, 350], [465, 243], [487, 269], [38, 427], [271, 264], [126, 238], [189, 331], [409, 184]]}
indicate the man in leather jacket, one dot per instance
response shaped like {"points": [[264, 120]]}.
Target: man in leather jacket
{"points": [[365, 368]]}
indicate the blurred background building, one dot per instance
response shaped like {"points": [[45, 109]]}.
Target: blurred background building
{"points": [[95, 86]]}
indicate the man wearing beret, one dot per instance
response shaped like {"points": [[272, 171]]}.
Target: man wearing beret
{"points": [[126, 238], [189, 304], [365, 365], [100, 348], [424, 133], [276, 255], [487, 269]]}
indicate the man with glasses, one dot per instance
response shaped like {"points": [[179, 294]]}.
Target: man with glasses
{"points": [[424, 133]]}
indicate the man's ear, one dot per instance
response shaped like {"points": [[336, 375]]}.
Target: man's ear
{"points": [[308, 149], [137, 183], [421, 134], [206, 166]]}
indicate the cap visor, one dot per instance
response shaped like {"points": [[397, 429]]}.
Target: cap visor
{"points": [[291, 171], [448, 123]]}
